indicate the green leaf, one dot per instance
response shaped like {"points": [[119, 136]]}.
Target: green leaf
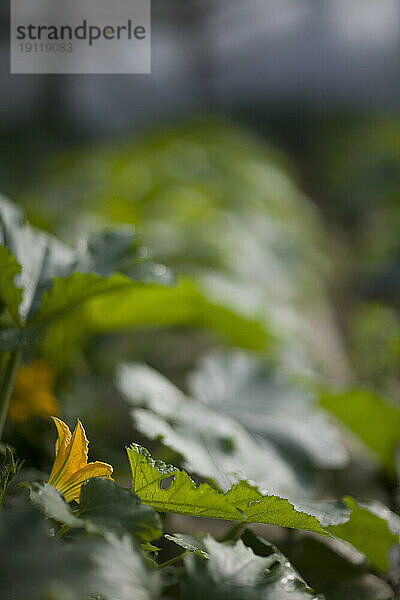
{"points": [[268, 405], [74, 290], [188, 542], [33, 566], [242, 502], [371, 528], [213, 445], [282, 579], [240, 571], [55, 278], [122, 573], [104, 507], [109, 507], [52, 503], [372, 419], [148, 306], [182, 305]]}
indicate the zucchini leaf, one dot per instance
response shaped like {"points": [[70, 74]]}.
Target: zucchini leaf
{"points": [[242, 502], [121, 572], [42, 278], [214, 445], [270, 407], [104, 508], [371, 529], [249, 568], [243, 422]]}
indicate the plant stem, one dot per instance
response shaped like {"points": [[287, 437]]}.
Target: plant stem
{"points": [[7, 385], [62, 531], [232, 532], [174, 560]]}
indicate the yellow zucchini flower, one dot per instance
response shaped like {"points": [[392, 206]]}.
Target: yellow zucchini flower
{"points": [[71, 468]]}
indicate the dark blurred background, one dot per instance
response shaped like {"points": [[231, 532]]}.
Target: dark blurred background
{"points": [[282, 61], [305, 74]]}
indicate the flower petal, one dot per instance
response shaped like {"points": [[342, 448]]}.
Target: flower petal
{"points": [[75, 457], [61, 447], [71, 488]]}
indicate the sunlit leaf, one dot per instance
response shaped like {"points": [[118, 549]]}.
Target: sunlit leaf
{"points": [[42, 278], [188, 542], [213, 445], [183, 305], [372, 529], [269, 406], [242, 502], [249, 568]]}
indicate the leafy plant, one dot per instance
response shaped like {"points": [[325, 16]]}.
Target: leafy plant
{"points": [[250, 409], [250, 568], [243, 502], [242, 414]]}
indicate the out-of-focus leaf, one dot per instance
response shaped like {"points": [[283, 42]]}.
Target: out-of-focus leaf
{"points": [[181, 305], [188, 542], [372, 419], [104, 507], [373, 529], [240, 571], [242, 502], [51, 278], [223, 209], [33, 566], [333, 575], [122, 573], [213, 445], [268, 406], [53, 505], [111, 508]]}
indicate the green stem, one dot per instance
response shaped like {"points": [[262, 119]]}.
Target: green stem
{"points": [[232, 532], [61, 532], [174, 560], [7, 385]]}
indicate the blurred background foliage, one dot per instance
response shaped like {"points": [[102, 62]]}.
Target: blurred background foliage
{"points": [[258, 266]]}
